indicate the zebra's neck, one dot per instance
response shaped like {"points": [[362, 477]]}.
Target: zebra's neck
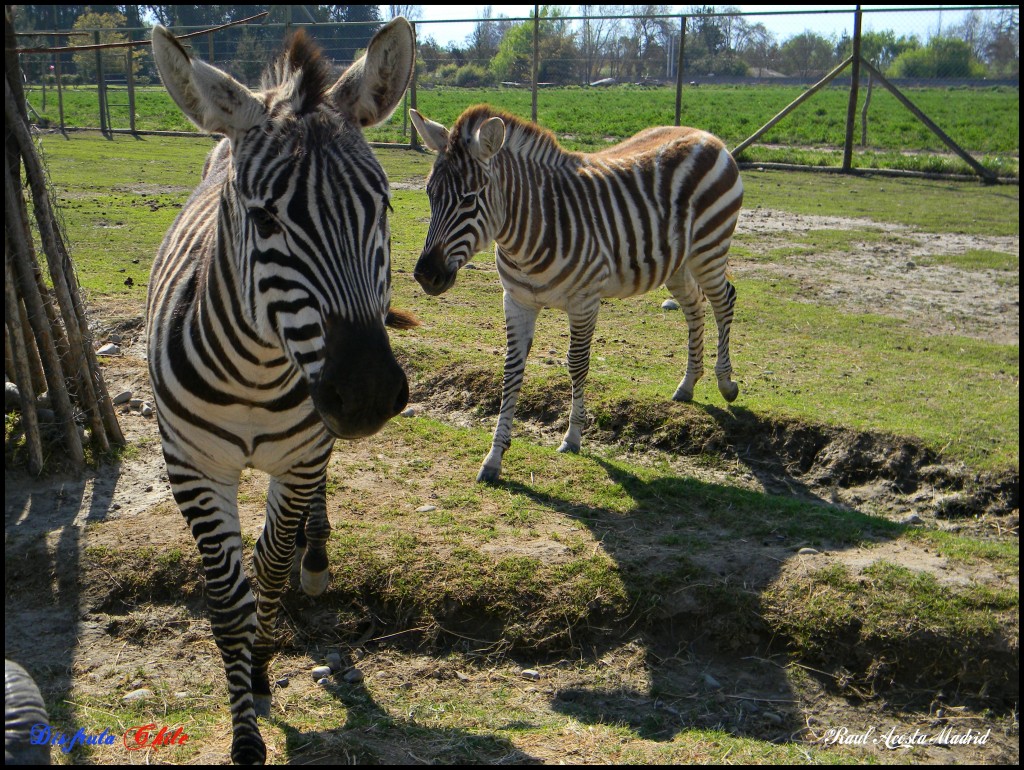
{"points": [[530, 168]]}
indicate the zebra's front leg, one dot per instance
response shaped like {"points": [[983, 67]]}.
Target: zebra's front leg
{"points": [[287, 498], [582, 321], [211, 510], [520, 323], [686, 291]]}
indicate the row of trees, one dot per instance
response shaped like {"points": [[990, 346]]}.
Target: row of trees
{"points": [[602, 44], [718, 41]]}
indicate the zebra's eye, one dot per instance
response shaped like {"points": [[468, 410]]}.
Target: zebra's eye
{"points": [[264, 222]]}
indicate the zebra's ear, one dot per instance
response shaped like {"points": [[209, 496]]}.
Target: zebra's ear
{"points": [[370, 89], [210, 98], [488, 139], [435, 136]]}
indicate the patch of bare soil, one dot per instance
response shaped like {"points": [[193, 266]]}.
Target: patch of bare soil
{"points": [[891, 278], [90, 633]]}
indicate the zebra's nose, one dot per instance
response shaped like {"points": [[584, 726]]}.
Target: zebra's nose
{"points": [[361, 385], [432, 273]]}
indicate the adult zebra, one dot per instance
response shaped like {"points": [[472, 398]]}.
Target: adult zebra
{"points": [[573, 228], [266, 314]]}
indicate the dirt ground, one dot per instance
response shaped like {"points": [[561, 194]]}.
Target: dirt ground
{"points": [[56, 613]]}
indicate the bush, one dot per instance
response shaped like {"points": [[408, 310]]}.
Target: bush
{"points": [[473, 76]]}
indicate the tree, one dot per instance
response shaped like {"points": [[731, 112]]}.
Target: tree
{"points": [[251, 56], [714, 36], [596, 38], [114, 60], [943, 57], [879, 48], [557, 48], [411, 12], [483, 42], [807, 54], [757, 46]]}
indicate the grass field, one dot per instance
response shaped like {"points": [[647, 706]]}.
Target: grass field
{"points": [[668, 595], [911, 383], [983, 121]]}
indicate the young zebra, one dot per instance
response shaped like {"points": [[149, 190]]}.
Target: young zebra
{"points": [[266, 314], [572, 228]]}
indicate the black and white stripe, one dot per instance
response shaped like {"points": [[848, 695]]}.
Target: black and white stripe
{"points": [[573, 228], [266, 324]]}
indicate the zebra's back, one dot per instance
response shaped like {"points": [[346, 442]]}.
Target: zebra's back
{"points": [[621, 221]]}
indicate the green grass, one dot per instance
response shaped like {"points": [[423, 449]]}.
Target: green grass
{"points": [[794, 358], [984, 121]]}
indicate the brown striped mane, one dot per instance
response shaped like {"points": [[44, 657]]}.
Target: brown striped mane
{"points": [[303, 67], [519, 132]]}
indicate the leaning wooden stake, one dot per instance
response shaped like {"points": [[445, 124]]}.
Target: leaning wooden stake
{"points": [[46, 327]]}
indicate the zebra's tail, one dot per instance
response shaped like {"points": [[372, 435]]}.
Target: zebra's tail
{"points": [[401, 319]]}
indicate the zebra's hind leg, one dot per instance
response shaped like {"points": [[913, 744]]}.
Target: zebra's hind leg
{"points": [[287, 498], [686, 291], [520, 323], [723, 300], [582, 320], [314, 573]]}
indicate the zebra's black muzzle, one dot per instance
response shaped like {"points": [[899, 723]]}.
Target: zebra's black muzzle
{"points": [[432, 272], [361, 385]]}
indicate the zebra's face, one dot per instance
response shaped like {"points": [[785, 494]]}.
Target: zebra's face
{"points": [[315, 264], [466, 203], [461, 224]]}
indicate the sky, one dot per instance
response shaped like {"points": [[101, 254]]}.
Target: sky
{"points": [[923, 24]]}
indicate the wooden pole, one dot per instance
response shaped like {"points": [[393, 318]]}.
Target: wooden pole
{"points": [[983, 172], [26, 393], [792, 106], [94, 397], [851, 108], [864, 112]]}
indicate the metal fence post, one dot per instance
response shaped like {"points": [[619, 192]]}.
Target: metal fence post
{"points": [[60, 97], [414, 139], [851, 110], [101, 86], [129, 58], [679, 70], [536, 34]]}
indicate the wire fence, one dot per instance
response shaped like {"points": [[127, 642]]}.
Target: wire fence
{"points": [[976, 48]]}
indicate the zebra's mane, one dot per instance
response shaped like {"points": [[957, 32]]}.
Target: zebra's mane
{"points": [[300, 75], [519, 134]]}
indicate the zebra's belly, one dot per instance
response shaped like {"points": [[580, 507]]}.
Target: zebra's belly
{"points": [[599, 269], [634, 274]]}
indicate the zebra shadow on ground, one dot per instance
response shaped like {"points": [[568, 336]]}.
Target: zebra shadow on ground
{"points": [[696, 559]]}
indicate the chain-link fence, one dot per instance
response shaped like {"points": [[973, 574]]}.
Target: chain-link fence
{"points": [[941, 48]]}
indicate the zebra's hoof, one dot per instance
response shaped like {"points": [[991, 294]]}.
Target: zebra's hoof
{"points": [[248, 750], [261, 705], [314, 583], [729, 390], [488, 475], [685, 395], [567, 447]]}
